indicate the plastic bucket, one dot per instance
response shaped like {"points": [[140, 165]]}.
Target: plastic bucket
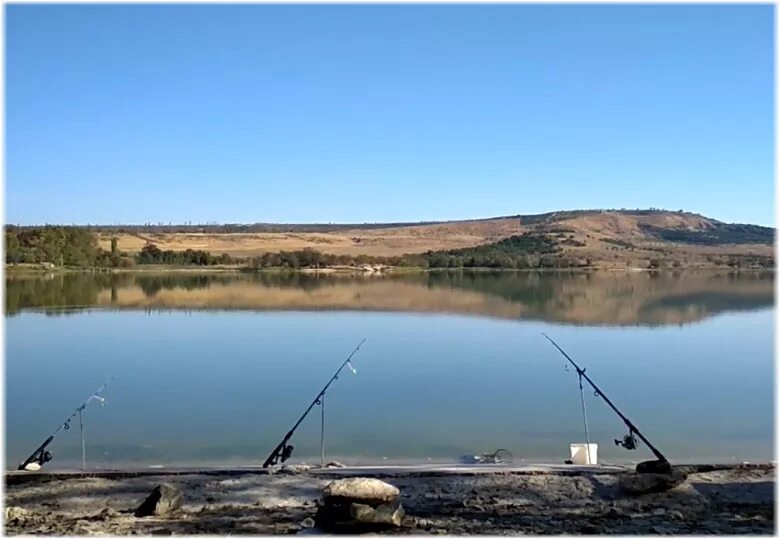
{"points": [[580, 453]]}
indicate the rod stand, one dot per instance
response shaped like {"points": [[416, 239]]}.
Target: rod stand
{"points": [[585, 418], [322, 431], [83, 443]]}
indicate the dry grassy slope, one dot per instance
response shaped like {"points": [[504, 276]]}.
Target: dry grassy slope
{"points": [[590, 228]]}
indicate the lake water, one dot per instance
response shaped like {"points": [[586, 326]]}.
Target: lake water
{"points": [[214, 369]]}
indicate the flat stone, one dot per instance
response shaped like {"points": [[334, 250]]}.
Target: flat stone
{"points": [[294, 469], [364, 490]]}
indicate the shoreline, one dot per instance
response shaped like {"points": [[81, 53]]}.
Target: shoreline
{"points": [[19, 477], [731, 499], [343, 270]]}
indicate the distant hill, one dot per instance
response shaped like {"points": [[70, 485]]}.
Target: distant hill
{"points": [[603, 238], [645, 217], [663, 224]]}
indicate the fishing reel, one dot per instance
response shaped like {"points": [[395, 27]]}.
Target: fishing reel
{"points": [[35, 463], [628, 441], [286, 452], [44, 457], [282, 455]]}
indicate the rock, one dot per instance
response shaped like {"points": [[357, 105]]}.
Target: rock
{"points": [[106, 514], [307, 522], [356, 517], [109, 512], [390, 514], [474, 503], [81, 528], [15, 515], [363, 490], [654, 466], [675, 514], [359, 504], [646, 483], [659, 512], [163, 500], [294, 469], [335, 464]]}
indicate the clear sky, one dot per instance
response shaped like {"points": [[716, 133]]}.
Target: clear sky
{"points": [[261, 113]]}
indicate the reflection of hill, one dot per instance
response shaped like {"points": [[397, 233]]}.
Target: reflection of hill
{"points": [[611, 298], [623, 298]]}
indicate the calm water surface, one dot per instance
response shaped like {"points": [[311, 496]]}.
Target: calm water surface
{"points": [[213, 369]]}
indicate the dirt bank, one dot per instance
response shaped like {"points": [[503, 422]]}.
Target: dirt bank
{"points": [[714, 500]]}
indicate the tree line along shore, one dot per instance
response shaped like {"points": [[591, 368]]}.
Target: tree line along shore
{"points": [[73, 247]]}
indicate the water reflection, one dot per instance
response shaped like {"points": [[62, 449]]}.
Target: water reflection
{"points": [[597, 298]]}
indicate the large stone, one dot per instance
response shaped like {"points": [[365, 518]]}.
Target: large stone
{"points": [[163, 500], [361, 490], [355, 517], [359, 504], [654, 466], [389, 514], [15, 515], [647, 483]]}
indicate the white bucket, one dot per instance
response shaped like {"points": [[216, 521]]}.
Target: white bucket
{"points": [[581, 452]]}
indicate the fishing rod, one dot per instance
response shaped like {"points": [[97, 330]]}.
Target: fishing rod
{"points": [[41, 456], [283, 450], [629, 440]]}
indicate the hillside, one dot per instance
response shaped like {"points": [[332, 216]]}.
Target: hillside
{"points": [[607, 238]]}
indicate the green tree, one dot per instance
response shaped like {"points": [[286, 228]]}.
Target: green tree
{"points": [[13, 248]]}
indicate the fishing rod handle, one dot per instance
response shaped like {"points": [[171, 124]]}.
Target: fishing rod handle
{"points": [[35, 453]]}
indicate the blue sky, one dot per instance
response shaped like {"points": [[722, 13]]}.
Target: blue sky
{"points": [[133, 114]]}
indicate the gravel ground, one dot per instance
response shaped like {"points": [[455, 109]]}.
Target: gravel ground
{"points": [[713, 500]]}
